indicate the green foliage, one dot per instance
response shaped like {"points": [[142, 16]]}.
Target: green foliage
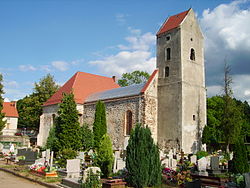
{"points": [[135, 77], [2, 122], [65, 154], [92, 180], [87, 137], [30, 107], [142, 161], [100, 125], [201, 154], [240, 161], [52, 139], [105, 156], [67, 125]]}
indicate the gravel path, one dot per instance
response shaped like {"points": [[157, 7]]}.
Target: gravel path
{"points": [[10, 181]]}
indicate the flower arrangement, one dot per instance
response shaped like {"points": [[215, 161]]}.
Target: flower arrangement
{"points": [[41, 169]]}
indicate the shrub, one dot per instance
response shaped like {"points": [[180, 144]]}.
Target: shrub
{"points": [[105, 156], [92, 180], [64, 155], [143, 160], [201, 154]]}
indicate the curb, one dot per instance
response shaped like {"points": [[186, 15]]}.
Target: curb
{"points": [[30, 179]]}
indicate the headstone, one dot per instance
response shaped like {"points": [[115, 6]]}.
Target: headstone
{"points": [[231, 155], [30, 156], [202, 164], [51, 159], [1, 147], [214, 163], [40, 160], [47, 155], [165, 162], [125, 144], [73, 168], [174, 163], [193, 159], [178, 157], [247, 179], [95, 170], [44, 154]]}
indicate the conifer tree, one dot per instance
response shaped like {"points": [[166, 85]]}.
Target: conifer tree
{"points": [[100, 125], [2, 122], [143, 160], [52, 139], [67, 125], [105, 156], [240, 161], [87, 137]]}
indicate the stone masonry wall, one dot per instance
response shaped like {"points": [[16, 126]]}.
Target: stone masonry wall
{"points": [[116, 115]]}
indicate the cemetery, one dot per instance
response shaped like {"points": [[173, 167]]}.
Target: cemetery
{"points": [[138, 144]]}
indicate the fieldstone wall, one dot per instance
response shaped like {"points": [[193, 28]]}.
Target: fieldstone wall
{"points": [[116, 117]]}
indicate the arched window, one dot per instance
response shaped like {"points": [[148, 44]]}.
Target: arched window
{"points": [[128, 122], [192, 54], [53, 119], [167, 54], [166, 72]]}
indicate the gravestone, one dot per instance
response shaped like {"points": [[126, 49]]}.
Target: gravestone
{"points": [[95, 170], [202, 164], [193, 159], [44, 154], [30, 156], [1, 147], [40, 160], [214, 163], [47, 155], [73, 168], [174, 164], [247, 179]]}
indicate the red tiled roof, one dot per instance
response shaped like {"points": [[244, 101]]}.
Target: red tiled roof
{"points": [[149, 81], [9, 108], [82, 84], [172, 22]]}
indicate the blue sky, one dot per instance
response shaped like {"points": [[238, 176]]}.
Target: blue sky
{"points": [[112, 37]]}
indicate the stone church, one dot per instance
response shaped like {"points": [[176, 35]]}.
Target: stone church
{"points": [[172, 103]]}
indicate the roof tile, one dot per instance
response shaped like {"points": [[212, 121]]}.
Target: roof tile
{"points": [[9, 108]]}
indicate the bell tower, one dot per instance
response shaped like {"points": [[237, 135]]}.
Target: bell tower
{"points": [[181, 84]]}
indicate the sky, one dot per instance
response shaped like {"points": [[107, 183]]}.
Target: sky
{"points": [[113, 37]]}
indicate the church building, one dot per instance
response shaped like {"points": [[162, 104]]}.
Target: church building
{"points": [[172, 103]]}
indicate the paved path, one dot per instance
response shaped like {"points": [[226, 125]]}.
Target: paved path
{"points": [[10, 181]]}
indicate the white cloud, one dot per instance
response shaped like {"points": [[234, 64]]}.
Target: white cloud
{"points": [[10, 84], [136, 55], [60, 65], [6, 100], [227, 38], [27, 68]]}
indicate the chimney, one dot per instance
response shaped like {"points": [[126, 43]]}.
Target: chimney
{"points": [[114, 78], [13, 103]]}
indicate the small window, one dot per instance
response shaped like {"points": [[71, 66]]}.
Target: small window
{"points": [[191, 39], [128, 122], [166, 72], [53, 119], [168, 38], [167, 54], [193, 117], [192, 54]]}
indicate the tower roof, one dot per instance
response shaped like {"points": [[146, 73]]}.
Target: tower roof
{"points": [[82, 85], [9, 108], [172, 22]]}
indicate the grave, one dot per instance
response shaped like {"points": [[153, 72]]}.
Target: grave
{"points": [[202, 166], [30, 156], [193, 159], [73, 168]]}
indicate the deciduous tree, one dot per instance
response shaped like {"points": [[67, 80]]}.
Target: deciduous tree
{"points": [[135, 77]]}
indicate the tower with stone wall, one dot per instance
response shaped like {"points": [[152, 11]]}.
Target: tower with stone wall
{"points": [[181, 83]]}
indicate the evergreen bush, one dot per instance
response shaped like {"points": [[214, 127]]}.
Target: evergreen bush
{"points": [[240, 161], [65, 154], [142, 160], [92, 181], [100, 125], [105, 158], [67, 125], [87, 137]]}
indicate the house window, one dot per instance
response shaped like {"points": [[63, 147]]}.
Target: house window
{"points": [[128, 122], [193, 117], [192, 54], [166, 72], [167, 54]]}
